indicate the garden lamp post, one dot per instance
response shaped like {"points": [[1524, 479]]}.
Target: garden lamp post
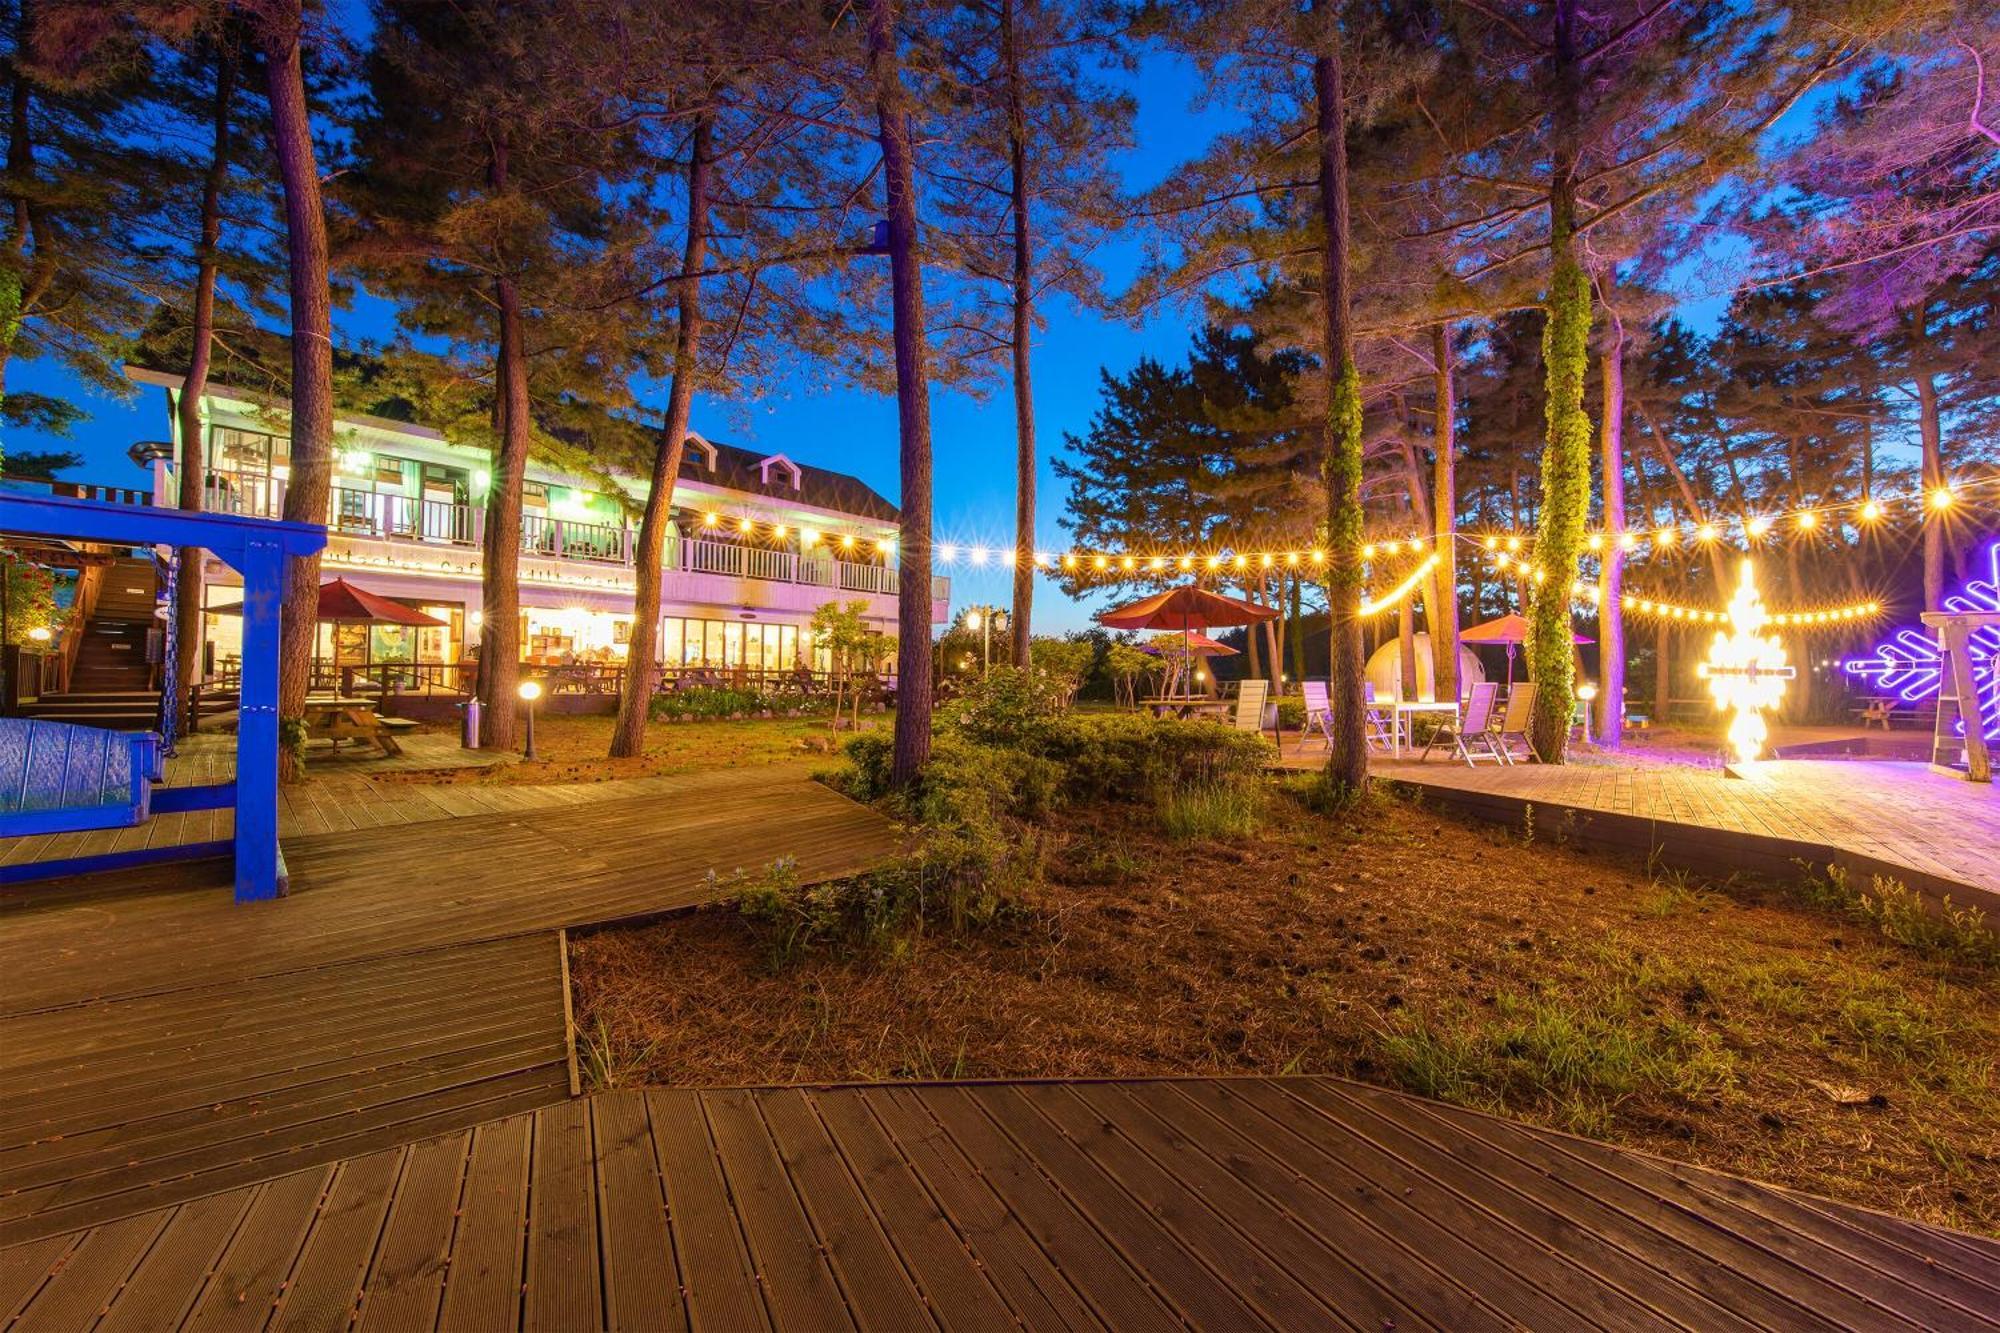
{"points": [[530, 690]]}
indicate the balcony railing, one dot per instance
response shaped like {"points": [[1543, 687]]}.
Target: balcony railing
{"points": [[358, 513]]}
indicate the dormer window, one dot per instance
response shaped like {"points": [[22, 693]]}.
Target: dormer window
{"points": [[785, 465], [701, 446]]}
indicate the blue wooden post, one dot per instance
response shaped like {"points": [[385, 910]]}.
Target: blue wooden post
{"points": [[260, 866]]}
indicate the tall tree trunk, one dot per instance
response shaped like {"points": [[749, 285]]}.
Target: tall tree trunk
{"points": [[628, 735], [1444, 516], [1297, 636], [309, 488], [1024, 323], [1610, 710], [1663, 670], [1340, 435], [187, 410], [500, 589], [1566, 452], [1408, 682], [1930, 432], [913, 400], [500, 585]]}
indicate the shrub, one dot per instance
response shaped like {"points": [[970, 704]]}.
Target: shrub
{"points": [[1006, 707], [1959, 934], [708, 703]]}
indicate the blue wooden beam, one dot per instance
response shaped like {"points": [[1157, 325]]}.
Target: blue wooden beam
{"points": [[260, 549], [259, 868]]}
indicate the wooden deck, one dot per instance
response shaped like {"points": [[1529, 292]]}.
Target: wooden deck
{"points": [[160, 1041], [1937, 834], [1254, 1203]]}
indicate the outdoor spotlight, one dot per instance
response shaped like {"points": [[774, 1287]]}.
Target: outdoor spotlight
{"points": [[972, 620], [529, 690], [808, 537], [710, 520], [1870, 511], [40, 634], [1706, 532], [1595, 541], [1941, 497], [1586, 692]]}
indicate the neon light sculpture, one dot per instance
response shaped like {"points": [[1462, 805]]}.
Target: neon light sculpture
{"points": [[1909, 665], [1746, 672]]}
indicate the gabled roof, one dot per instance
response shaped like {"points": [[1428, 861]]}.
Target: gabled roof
{"points": [[742, 469]]}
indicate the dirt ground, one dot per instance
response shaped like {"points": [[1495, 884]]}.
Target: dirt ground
{"points": [[1726, 1024]]}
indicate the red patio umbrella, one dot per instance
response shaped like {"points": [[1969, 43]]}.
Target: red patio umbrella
{"points": [[1509, 629], [1186, 609], [340, 601]]}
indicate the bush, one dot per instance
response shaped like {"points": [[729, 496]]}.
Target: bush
{"points": [[1003, 756], [1006, 707], [708, 703]]}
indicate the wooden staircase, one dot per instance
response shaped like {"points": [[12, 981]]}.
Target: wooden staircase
{"points": [[112, 684]]}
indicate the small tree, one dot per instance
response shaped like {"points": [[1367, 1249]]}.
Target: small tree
{"points": [[842, 629], [1064, 661]]}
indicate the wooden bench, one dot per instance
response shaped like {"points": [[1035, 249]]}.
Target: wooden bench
{"points": [[59, 777]]}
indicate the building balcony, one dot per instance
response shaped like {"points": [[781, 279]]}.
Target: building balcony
{"points": [[443, 540]]}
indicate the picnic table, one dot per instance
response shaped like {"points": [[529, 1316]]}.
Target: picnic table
{"points": [[337, 718], [1183, 705]]}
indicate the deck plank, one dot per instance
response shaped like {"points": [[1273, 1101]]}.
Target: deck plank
{"points": [[642, 1284], [327, 1283], [484, 1287], [718, 1276], [562, 1289], [407, 1280]]}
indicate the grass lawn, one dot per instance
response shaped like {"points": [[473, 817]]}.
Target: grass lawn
{"points": [[574, 748], [1736, 1025]]}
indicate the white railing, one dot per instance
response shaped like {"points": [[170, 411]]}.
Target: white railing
{"points": [[359, 513]]}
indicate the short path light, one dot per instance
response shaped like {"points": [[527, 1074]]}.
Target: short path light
{"points": [[1588, 694], [530, 690]]}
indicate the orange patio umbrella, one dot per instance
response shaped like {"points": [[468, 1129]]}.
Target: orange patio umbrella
{"points": [[1510, 629], [343, 602]]}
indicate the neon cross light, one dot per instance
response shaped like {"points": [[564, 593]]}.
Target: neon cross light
{"points": [[1746, 672], [1909, 665]]}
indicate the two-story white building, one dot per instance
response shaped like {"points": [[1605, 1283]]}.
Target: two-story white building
{"points": [[760, 542]]}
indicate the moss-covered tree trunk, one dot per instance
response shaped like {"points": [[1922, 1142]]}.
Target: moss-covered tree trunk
{"points": [[628, 735], [1566, 448], [1340, 436]]}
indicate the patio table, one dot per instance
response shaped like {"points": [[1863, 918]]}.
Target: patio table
{"points": [[337, 719], [1402, 724]]}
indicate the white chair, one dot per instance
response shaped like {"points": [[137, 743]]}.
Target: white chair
{"points": [[1471, 738], [1514, 724], [1250, 699], [1319, 715], [1379, 736]]}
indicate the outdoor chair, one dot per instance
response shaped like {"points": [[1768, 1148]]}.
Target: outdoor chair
{"points": [[1471, 738], [1514, 724], [1319, 715], [1250, 698], [1378, 726]]}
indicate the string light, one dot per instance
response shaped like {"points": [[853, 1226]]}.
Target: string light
{"points": [[1396, 594]]}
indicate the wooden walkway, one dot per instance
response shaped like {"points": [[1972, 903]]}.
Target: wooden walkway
{"points": [[334, 802], [160, 1041], [1255, 1203], [1871, 817]]}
